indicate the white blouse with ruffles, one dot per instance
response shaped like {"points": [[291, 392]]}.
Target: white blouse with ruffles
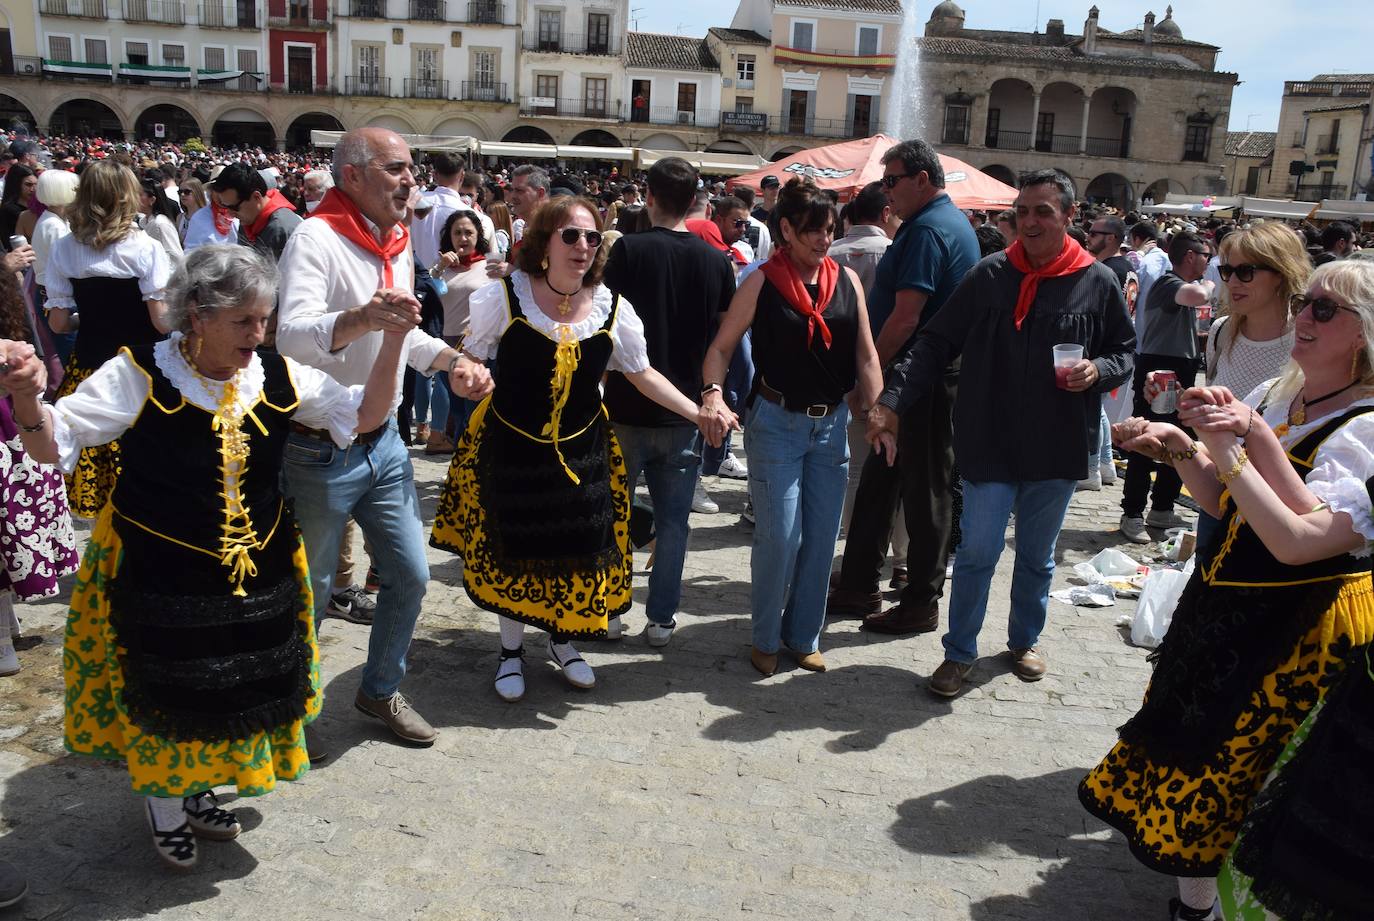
{"points": [[488, 320], [1344, 463], [106, 404]]}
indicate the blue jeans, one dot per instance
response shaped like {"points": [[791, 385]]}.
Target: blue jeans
{"points": [[1040, 506], [431, 393], [374, 484], [669, 457], [1101, 453], [798, 469]]}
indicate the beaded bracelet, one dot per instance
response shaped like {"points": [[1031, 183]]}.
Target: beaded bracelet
{"points": [[1249, 425], [1176, 456]]}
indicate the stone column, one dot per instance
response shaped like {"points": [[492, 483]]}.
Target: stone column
{"points": [[281, 145], [1083, 137], [1035, 118]]}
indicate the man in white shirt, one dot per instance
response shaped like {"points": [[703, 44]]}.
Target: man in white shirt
{"points": [[347, 275], [444, 200]]}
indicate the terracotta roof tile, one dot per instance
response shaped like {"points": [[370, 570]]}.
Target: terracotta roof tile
{"points": [[668, 52], [739, 36], [892, 7], [1250, 143], [968, 47]]}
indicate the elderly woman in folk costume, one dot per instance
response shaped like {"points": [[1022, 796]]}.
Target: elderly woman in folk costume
{"points": [[536, 500], [190, 645]]}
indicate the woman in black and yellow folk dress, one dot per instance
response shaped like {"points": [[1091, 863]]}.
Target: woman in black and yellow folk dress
{"points": [[190, 646], [1266, 627], [105, 281], [536, 501]]}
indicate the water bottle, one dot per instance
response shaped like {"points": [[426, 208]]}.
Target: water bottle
{"points": [[440, 286]]}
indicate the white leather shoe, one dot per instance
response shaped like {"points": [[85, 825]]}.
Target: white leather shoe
{"points": [[510, 675], [577, 672]]}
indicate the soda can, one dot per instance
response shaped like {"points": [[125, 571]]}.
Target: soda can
{"points": [[17, 241], [1166, 401]]}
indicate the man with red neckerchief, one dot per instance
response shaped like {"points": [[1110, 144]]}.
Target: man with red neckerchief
{"points": [[347, 276], [1021, 442], [266, 218]]}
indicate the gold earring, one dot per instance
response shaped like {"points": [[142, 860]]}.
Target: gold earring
{"points": [[1355, 364], [195, 353], [544, 263]]}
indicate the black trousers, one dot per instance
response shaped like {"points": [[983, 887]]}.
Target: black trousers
{"points": [[922, 478], [1167, 483]]}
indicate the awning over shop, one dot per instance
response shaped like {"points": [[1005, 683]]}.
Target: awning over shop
{"points": [[1274, 207], [77, 68], [719, 164], [155, 71], [1361, 212], [433, 143], [575, 152], [512, 149]]}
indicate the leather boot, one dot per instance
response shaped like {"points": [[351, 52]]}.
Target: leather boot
{"points": [[902, 619], [844, 602]]}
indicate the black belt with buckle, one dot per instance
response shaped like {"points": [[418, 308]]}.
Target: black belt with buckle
{"points": [[815, 410], [362, 438]]}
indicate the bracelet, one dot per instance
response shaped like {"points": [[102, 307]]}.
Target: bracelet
{"points": [[1241, 460], [712, 388], [37, 426], [1176, 456], [1249, 425]]}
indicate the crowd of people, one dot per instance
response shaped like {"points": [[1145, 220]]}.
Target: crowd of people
{"points": [[222, 357]]}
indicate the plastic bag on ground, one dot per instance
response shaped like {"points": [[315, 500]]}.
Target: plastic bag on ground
{"points": [[1155, 609]]}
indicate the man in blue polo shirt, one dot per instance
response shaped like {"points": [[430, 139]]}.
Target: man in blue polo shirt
{"points": [[931, 252]]}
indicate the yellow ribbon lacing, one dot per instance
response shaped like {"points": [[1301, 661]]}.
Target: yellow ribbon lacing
{"points": [[238, 538], [566, 358]]}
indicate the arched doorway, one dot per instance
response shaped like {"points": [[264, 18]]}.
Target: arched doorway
{"points": [[663, 142], [1010, 102], [176, 122], [730, 147], [15, 116], [785, 152], [528, 134], [298, 132], [87, 118], [1059, 127], [1001, 173], [1111, 118], [459, 127], [243, 128], [1158, 191], [392, 123], [1111, 189], [595, 137]]}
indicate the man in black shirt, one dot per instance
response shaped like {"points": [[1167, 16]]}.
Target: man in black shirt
{"points": [[770, 186], [1104, 242], [679, 286]]}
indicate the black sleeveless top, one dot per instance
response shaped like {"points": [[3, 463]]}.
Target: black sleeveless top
{"points": [[113, 315], [783, 360]]}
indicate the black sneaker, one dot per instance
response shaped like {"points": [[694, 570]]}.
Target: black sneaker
{"points": [[353, 605]]}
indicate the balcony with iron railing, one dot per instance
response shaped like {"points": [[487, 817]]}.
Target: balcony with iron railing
{"points": [[486, 12], [244, 84], [1001, 139], [157, 12], [480, 91], [230, 16], [367, 9], [86, 9], [300, 15], [367, 86], [570, 108], [573, 43], [672, 115], [822, 127], [420, 88], [847, 58], [429, 10], [22, 65], [1317, 192]]}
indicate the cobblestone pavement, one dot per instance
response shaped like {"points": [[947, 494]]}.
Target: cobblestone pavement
{"points": [[682, 786]]}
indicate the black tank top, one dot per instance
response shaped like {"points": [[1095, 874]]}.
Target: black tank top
{"points": [[782, 358]]}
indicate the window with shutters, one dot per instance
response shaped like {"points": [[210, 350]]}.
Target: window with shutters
{"points": [[595, 97], [369, 63], [248, 59], [546, 87], [868, 39], [136, 52], [59, 48], [174, 55], [96, 51], [803, 35], [484, 69], [598, 33], [426, 64], [214, 59], [744, 103], [550, 30]]}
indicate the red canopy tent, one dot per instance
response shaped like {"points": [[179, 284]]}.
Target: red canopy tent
{"points": [[850, 166]]}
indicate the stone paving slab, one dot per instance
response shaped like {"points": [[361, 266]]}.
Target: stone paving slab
{"points": [[682, 786]]}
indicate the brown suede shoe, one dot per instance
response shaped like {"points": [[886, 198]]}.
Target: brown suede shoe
{"points": [[949, 678], [900, 578], [1028, 664], [811, 661], [902, 619], [845, 602], [409, 726], [765, 662]]}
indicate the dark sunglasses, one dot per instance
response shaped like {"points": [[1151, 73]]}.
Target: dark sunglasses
{"points": [[890, 182], [741, 223], [569, 235], [1323, 308], [1245, 272], [1100, 233]]}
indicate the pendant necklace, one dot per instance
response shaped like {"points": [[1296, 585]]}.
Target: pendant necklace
{"points": [[1299, 416], [565, 307]]}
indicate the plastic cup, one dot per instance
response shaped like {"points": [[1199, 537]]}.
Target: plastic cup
{"points": [[1066, 356]]}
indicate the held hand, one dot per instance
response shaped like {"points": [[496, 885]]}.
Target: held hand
{"points": [[856, 406], [1152, 388], [882, 432], [24, 375], [499, 269], [392, 309], [1217, 396], [18, 259], [1207, 417], [470, 379], [1083, 376], [1152, 439]]}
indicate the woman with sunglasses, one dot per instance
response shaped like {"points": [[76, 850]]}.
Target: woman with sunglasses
{"points": [[1266, 628], [191, 197], [811, 347], [536, 501]]}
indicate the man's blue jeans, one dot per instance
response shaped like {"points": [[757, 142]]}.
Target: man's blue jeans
{"points": [[670, 458], [374, 484], [1040, 506], [798, 469]]}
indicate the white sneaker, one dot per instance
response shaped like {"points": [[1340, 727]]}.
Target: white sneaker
{"points": [[1165, 520], [1092, 482], [733, 468], [9, 659], [1107, 472], [510, 676], [575, 669], [702, 502], [658, 635], [208, 820], [1133, 529], [614, 628]]}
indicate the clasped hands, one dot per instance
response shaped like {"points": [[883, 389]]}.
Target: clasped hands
{"points": [[715, 419], [392, 310], [21, 372], [1216, 414]]}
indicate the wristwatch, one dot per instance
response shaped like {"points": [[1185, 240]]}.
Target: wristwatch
{"points": [[712, 387]]}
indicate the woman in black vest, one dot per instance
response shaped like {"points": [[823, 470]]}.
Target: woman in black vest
{"points": [[190, 643], [536, 500], [812, 345], [1266, 627]]}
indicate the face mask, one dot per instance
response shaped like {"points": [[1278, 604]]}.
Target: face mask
{"points": [[312, 205]]}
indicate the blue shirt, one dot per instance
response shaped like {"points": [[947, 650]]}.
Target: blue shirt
{"points": [[931, 253]]}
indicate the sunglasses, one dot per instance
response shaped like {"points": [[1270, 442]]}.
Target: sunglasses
{"points": [[741, 223], [1323, 308], [570, 235], [1245, 272], [1100, 233], [890, 182]]}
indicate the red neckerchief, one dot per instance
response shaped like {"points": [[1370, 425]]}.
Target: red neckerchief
{"points": [[338, 211], [224, 218], [468, 261], [782, 272], [708, 231], [275, 201], [1072, 258]]}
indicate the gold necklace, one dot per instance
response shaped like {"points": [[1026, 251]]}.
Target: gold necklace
{"points": [[228, 416], [565, 307]]}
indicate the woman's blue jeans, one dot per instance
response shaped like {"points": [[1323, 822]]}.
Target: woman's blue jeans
{"points": [[431, 393], [798, 467]]}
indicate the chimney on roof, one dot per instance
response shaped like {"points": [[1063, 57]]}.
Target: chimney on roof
{"points": [[1149, 33], [1090, 32], [1054, 31]]}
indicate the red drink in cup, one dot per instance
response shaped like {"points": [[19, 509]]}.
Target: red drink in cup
{"points": [[1066, 357]]}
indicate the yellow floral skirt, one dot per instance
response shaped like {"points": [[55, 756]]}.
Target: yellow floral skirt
{"points": [[97, 723], [89, 486], [575, 603], [1184, 823]]}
